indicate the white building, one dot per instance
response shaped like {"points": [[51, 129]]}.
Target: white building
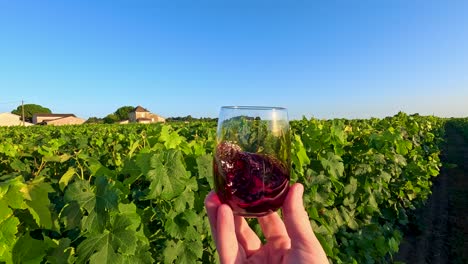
{"points": [[141, 115], [9, 119]]}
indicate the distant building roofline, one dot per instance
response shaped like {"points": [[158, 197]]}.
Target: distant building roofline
{"points": [[140, 109], [53, 115]]}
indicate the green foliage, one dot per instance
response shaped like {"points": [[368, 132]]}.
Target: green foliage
{"points": [[30, 110], [190, 118], [363, 178], [110, 119], [134, 193], [122, 112], [461, 124], [36, 198], [119, 115], [94, 120]]}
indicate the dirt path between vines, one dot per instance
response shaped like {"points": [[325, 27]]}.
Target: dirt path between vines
{"points": [[439, 232]]}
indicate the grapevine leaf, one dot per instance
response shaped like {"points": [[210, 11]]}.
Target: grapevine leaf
{"points": [[380, 245], [301, 153], [386, 176], [400, 160], [205, 168], [351, 187], [36, 195], [171, 139], [63, 253], [393, 244], [94, 223], [338, 132], [98, 205], [107, 197], [8, 229], [123, 239], [29, 250], [191, 217], [81, 192], [362, 169], [333, 164], [97, 169], [403, 147], [66, 178], [12, 193], [106, 254], [18, 165], [142, 256], [158, 177], [190, 251], [91, 245], [372, 202], [168, 177], [171, 251], [71, 215], [109, 246], [184, 201], [179, 227], [348, 216], [336, 216], [129, 211], [183, 251], [176, 227], [187, 198], [143, 163], [132, 170]]}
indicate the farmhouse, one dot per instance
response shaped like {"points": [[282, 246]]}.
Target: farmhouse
{"points": [[141, 115], [9, 119], [57, 119]]}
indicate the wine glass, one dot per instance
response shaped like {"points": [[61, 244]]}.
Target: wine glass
{"points": [[252, 159]]}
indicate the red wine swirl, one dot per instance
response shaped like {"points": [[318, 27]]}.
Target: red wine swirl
{"points": [[252, 184]]}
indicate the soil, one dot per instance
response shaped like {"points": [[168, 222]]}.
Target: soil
{"points": [[438, 232]]}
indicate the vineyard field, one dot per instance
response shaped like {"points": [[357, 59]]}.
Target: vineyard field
{"points": [[134, 193]]}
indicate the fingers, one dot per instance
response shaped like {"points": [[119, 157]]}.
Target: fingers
{"points": [[227, 245], [274, 230], [297, 222], [228, 230], [246, 237], [212, 203]]}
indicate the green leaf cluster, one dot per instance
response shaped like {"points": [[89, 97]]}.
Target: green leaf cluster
{"points": [[134, 193]]}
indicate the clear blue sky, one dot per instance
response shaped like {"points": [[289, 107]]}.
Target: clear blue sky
{"points": [[324, 59]]}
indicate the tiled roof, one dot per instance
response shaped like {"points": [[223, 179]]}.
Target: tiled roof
{"points": [[54, 115], [140, 109], [66, 120]]}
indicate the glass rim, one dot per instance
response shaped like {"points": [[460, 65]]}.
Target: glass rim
{"points": [[243, 107]]}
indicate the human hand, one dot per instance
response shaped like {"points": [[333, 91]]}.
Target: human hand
{"points": [[290, 242]]}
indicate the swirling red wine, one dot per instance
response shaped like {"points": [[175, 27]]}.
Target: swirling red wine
{"points": [[252, 184]]}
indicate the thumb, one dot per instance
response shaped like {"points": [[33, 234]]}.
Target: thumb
{"points": [[297, 222]]}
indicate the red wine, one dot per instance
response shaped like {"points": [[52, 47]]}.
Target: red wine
{"points": [[252, 184]]}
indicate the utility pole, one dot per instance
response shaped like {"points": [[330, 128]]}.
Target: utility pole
{"points": [[22, 109]]}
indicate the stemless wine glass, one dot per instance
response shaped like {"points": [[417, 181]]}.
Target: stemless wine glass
{"points": [[252, 159]]}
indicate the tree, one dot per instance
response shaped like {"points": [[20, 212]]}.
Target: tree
{"points": [[190, 118], [30, 110], [119, 115], [94, 120], [122, 112], [111, 119]]}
